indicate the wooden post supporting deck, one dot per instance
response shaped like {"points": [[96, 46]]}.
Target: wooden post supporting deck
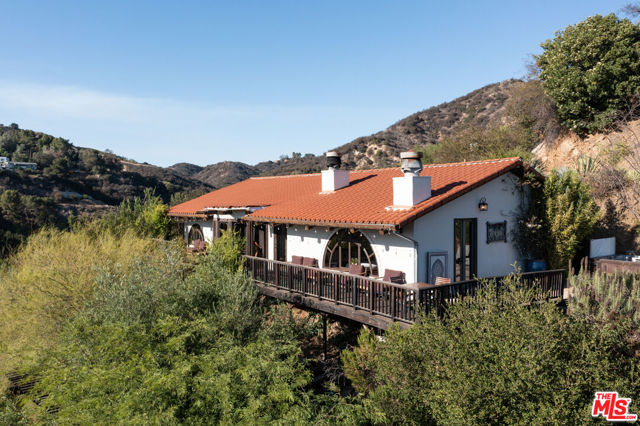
{"points": [[324, 336]]}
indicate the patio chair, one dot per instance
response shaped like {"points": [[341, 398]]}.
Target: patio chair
{"points": [[356, 270], [297, 260], [310, 261], [393, 276]]}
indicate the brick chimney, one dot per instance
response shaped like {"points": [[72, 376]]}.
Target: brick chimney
{"points": [[411, 189], [333, 178]]}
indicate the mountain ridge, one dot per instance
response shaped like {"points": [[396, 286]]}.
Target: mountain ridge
{"points": [[481, 107]]}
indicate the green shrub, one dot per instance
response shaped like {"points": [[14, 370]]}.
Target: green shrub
{"points": [[570, 213], [152, 347], [147, 216], [601, 297], [592, 71], [506, 361], [49, 280], [228, 249], [559, 216]]}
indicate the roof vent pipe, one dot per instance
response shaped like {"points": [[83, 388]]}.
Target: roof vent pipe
{"points": [[411, 164], [333, 160], [333, 178]]}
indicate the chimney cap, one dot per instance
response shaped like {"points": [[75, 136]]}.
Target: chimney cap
{"points": [[333, 160], [411, 164], [410, 155]]}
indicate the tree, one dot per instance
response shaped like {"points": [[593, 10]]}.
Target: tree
{"points": [[592, 70], [570, 213], [11, 206], [91, 160], [59, 166]]}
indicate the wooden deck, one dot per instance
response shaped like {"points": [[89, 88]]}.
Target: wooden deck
{"points": [[372, 301]]}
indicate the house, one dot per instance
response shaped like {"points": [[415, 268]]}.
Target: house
{"points": [[5, 163], [413, 224]]}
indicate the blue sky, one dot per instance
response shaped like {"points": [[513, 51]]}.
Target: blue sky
{"points": [[202, 82]]}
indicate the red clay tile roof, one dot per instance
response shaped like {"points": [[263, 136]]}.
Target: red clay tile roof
{"points": [[365, 202]]}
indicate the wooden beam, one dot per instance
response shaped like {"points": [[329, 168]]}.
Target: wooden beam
{"points": [[329, 307]]}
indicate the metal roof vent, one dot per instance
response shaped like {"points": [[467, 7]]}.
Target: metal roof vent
{"points": [[411, 164], [333, 160]]}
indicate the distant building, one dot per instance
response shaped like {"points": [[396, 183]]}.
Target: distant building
{"points": [[5, 163]]}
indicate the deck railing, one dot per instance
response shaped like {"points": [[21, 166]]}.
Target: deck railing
{"points": [[395, 301], [548, 285], [398, 302]]}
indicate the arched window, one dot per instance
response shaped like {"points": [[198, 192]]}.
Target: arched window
{"points": [[195, 234], [350, 248]]}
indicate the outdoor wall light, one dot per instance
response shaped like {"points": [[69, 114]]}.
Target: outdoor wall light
{"points": [[482, 205]]}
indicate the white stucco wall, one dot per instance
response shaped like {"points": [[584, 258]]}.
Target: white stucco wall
{"points": [[434, 231], [392, 251], [206, 226], [309, 243]]}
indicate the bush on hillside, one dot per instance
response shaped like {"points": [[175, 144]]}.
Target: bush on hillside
{"points": [[477, 143], [147, 216], [592, 71], [49, 280], [600, 297], [152, 347], [21, 215], [505, 361], [530, 108]]}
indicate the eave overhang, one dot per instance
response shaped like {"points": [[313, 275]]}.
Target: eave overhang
{"points": [[323, 223]]}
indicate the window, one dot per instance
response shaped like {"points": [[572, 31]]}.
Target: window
{"points": [[465, 249], [497, 232], [195, 234], [350, 248]]}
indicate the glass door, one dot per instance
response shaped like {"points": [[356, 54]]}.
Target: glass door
{"points": [[465, 249], [280, 242]]}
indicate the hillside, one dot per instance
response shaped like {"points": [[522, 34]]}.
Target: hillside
{"points": [[479, 108], [186, 169], [225, 173], [83, 177]]}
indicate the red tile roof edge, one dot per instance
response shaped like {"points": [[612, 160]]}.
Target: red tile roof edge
{"points": [[328, 224], [516, 162], [419, 212]]}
